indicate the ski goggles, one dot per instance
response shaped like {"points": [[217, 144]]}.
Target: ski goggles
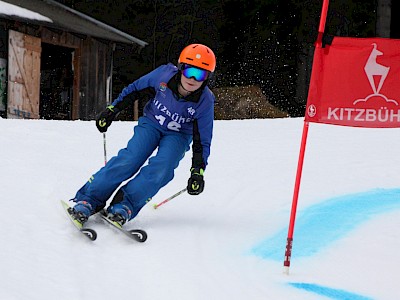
{"points": [[198, 74]]}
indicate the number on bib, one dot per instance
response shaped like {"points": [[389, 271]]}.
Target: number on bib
{"points": [[175, 126]]}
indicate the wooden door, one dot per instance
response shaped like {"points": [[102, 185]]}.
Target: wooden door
{"points": [[23, 76]]}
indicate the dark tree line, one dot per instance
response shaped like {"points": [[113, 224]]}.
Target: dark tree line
{"points": [[259, 42]]}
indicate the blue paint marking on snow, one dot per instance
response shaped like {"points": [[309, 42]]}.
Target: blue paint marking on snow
{"points": [[323, 223], [328, 292]]}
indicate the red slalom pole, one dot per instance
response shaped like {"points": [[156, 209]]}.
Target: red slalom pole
{"points": [[288, 250], [322, 21], [289, 242]]}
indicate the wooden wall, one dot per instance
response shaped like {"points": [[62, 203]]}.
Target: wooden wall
{"points": [[92, 61], [96, 65]]}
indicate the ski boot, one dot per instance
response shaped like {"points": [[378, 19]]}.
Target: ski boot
{"points": [[119, 213], [81, 211]]}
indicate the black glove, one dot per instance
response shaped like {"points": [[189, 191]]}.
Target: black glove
{"points": [[105, 118], [196, 181]]}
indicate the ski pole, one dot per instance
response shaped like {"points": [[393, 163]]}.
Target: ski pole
{"points": [[105, 148], [169, 199]]}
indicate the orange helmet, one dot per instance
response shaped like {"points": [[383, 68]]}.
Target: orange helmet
{"points": [[199, 56]]}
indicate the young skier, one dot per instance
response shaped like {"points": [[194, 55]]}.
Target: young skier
{"points": [[180, 110]]}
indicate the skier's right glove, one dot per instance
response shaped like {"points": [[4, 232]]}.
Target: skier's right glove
{"points": [[196, 181], [105, 118]]}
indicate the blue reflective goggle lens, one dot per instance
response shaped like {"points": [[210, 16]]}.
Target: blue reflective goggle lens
{"points": [[197, 74]]}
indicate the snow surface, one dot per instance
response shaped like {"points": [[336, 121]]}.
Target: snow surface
{"points": [[228, 242], [14, 10]]}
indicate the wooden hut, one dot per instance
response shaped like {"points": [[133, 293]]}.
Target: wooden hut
{"points": [[55, 62]]}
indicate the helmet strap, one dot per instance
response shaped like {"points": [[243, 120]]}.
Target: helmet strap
{"points": [[180, 83]]}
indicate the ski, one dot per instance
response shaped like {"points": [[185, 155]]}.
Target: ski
{"points": [[136, 234], [88, 232]]}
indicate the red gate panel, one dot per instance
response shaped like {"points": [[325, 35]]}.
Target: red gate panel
{"points": [[356, 82]]}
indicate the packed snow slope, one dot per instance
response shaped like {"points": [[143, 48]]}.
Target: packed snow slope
{"points": [[228, 242]]}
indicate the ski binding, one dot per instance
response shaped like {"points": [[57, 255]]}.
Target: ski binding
{"points": [[88, 232]]}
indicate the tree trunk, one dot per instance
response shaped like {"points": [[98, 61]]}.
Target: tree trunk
{"points": [[383, 18]]}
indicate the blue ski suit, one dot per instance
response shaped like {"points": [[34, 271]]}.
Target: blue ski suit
{"points": [[169, 123]]}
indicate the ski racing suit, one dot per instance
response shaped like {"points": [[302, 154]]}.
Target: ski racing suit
{"points": [[169, 123]]}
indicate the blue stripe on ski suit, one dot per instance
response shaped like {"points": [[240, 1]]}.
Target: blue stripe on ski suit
{"points": [[151, 133]]}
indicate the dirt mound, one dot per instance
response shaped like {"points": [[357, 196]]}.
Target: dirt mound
{"points": [[244, 102]]}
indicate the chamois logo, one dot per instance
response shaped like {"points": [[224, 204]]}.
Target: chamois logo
{"points": [[374, 70]]}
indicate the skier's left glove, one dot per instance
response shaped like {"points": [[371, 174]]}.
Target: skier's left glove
{"points": [[106, 117], [196, 181]]}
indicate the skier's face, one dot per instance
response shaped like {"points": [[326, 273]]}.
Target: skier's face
{"points": [[192, 77], [190, 84]]}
